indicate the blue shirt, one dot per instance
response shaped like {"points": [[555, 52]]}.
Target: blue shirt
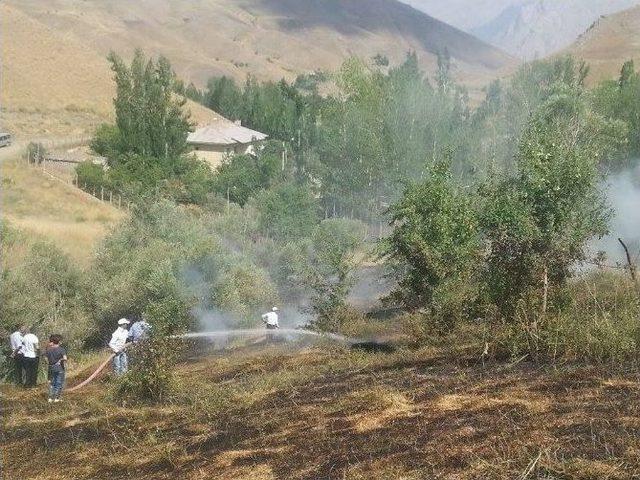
{"points": [[139, 331]]}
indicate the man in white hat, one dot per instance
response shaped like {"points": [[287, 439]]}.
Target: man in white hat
{"points": [[270, 319], [117, 345]]}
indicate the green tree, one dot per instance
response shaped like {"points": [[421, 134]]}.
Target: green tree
{"points": [[538, 223], [435, 243], [149, 117]]}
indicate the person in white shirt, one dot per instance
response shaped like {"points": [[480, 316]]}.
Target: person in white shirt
{"points": [[270, 319], [117, 345], [17, 355], [30, 350]]}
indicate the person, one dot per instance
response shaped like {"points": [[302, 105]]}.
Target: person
{"points": [[57, 359], [117, 345], [31, 351], [139, 331], [270, 319], [17, 354]]}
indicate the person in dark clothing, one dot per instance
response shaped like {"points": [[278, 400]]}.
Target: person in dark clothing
{"points": [[16, 354], [57, 358]]}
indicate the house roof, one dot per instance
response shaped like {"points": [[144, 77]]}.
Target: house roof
{"points": [[224, 132]]}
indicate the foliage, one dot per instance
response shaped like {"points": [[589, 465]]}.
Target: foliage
{"points": [[149, 119], [538, 223], [91, 176], [36, 152], [107, 141], [288, 211], [435, 244], [243, 176], [139, 269], [41, 288], [150, 377], [621, 100], [332, 261]]}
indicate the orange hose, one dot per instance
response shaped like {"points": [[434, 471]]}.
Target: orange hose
{"points": [[93, 375]]}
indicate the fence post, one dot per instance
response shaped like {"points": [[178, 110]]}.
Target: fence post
{"points": [[102, 194], [119, 201], [110, 196]]}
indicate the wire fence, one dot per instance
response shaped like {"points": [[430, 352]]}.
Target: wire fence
{"points": [[62, 169]]}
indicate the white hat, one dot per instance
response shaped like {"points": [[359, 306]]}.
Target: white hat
{"points": [[123, 321], [275, 309]]}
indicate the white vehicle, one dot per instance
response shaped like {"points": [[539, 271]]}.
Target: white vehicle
{"points": [[5, 139]]}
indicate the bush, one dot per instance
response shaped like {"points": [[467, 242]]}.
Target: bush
{"points": [[40, 288], [91, 176], [150, 377], [36, 152]]}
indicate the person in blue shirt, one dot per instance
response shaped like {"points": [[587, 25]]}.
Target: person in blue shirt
{"points": [[139, 331]]}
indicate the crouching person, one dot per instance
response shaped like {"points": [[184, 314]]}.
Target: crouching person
{"points": [[57, 358], [117, 344]]}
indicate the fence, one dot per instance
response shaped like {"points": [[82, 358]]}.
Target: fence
{"points": [[63, 169]]}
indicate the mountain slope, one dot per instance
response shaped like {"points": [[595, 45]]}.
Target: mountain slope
{"points": [[53, 84], [609, 43], [536, 28], [524, 28], [267, 38], [463, 14]]}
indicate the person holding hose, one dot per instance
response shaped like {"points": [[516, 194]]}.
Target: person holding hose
{"points": [[270, 319], [117, 345]]}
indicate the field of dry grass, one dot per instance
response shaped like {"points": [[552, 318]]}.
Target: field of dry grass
{"points": [[47, 208], [330, 413]]}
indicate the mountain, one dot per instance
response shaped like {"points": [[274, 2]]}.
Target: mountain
{"points": [[537, 28], [524, 28], [55, 49], [610, 42], [463, 14]]}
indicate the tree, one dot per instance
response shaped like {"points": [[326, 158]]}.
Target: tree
{"points": [[435, 240], [538, 223], [149, 118]]}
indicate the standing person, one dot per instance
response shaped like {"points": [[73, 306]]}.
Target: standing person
{"points": [[17, 354], [139, 331], [270, 319], [57, 359], [31, 351], [117, 344]]}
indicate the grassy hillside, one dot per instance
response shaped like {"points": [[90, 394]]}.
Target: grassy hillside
{"points": [[327, 413], [46, 208], [56, 79], [54, 84], [610, 42]]}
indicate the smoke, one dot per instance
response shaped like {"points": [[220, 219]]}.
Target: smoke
{"points": [[623, 194]]}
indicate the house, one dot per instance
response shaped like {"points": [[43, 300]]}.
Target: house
{"points": [[212, 142]]}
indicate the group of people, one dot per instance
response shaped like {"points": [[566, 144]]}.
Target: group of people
{"points": [[25, 356]]}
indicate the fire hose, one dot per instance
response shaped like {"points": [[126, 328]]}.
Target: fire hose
{"points": [[93, 375]]}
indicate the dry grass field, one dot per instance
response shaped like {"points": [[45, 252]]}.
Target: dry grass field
{"points": [[265, 413], [612, 40], [47, 208]]}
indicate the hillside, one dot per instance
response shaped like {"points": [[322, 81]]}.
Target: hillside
{"points": [[45, 208], [537, 28], [53, 84], [54, 50], [609, 43], [525, 28]]}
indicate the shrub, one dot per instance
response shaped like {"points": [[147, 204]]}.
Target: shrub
{"points": [[150, 377], [36, 152], [91, 176]]}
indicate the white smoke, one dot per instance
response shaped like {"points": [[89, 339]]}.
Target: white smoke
{"points": [[623, 195]]}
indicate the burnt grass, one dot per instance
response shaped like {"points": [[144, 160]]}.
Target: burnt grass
{"points": [[269, 413]]}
